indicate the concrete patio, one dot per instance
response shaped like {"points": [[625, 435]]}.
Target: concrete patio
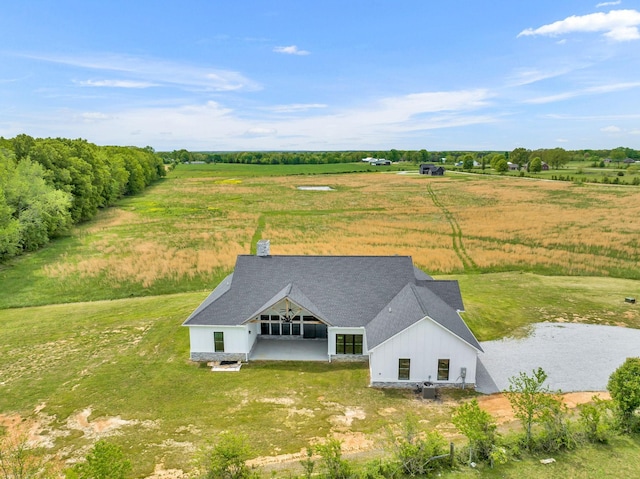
{"points": [[278, 348]]}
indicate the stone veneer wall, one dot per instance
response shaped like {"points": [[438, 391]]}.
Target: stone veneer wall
{"points": [[414, 385], [206, 357], [349, 358]]}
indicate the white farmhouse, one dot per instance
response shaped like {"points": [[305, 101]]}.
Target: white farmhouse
{"points": [[380, 309]]}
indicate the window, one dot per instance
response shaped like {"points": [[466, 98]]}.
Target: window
{"points": [[218, 342], [443, 369], [404, 368], [348, 343]]}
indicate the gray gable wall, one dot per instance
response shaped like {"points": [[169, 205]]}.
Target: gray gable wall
{"points": [[346, 291]]}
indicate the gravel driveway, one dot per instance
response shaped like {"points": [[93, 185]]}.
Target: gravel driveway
{"points": [[576, 357]]}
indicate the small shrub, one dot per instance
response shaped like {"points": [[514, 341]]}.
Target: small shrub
{"points": [[557, 431], [378, 469], [416, 452], [624, 386], [528, 398], [479, 428], [334, 466], [595, 420], [104, 461], [227, 459]]}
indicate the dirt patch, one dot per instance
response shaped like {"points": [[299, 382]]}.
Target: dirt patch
{"points": [[499, 407], [352, 442], [350, 413], [300, 412], [387, 411], [98, 428], [160, 472], [280, 401]]}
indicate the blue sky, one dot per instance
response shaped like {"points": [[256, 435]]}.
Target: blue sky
{"points": [[323, 75]]}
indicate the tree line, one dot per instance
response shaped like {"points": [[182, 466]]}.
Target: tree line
{"points": [[554, 157], [47, 185]]}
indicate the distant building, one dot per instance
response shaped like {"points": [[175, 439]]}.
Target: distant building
{"points": [[380, 162], [431, 169], [376, 161]]}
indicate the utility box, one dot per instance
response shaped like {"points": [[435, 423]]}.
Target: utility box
{"points": [[428, 392]]}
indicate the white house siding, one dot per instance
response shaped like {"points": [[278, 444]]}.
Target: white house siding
{"points": [[331, 336], [237, 343], [424, 343]]}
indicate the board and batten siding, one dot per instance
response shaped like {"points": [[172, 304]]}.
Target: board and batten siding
{"points": [[238, 341], [424, 343]]}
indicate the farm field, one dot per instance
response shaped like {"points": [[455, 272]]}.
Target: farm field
{"points": [[91, 339], [183, 234]]}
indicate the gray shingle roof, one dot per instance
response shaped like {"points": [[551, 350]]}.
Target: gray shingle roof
{"points": [[348, 291]]}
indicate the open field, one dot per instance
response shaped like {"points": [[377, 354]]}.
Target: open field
{"points": [[184, 233], [91, 339]]}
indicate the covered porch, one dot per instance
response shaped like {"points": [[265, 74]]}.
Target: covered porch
{"points": [[272, 348]]}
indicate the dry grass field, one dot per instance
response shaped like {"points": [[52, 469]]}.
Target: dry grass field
{"points": [[185, 232]]}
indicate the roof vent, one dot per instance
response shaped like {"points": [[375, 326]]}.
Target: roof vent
{"points": [[262, 248]]}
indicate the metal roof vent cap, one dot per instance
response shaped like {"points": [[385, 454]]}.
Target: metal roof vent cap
{"points": [[262, 248]]}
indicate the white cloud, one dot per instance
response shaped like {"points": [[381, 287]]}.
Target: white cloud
{"points": [[291, 50], [296, 107], [585, 91], [611, 129], [259, 132], [94, 116], [200, 126], [156, 72], [617, 25], [532, 75], [608, 4], [116, 83]]}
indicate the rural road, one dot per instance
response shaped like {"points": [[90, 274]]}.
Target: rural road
{"points": [[576, 357]]}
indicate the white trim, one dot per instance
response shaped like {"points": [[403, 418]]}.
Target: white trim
{"points": [[433, 321]]}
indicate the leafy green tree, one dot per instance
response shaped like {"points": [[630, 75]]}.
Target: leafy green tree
{"points": [[227, 458], [520, 156], [22, 145], [467, 161], [104, 461], [32, 212], [495, 158], [624, 386], [478, 426], [535, 165], [556, 158], [528, 398], [618, 155], [501, 166]]}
